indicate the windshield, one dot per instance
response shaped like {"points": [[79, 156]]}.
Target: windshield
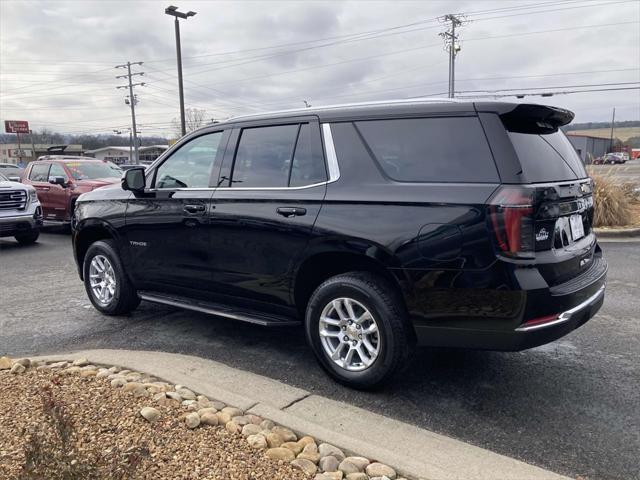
{"points": [[91, 170]]}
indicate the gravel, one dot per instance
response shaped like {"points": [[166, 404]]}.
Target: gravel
{"points": [[107, 418]]}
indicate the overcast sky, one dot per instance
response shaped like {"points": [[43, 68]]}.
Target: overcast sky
{"points": [[57, 58]]}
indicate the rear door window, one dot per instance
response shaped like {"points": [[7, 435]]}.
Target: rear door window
{"points": [[452, 149], [547, 157], [307, 168], [39, 172], [264, 155]]}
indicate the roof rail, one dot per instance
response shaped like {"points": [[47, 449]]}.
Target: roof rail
{"points": [[417, 100]]}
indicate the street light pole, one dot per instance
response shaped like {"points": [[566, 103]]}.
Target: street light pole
{"points": [[173, 11]]}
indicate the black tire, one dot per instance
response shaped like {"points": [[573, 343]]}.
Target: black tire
{"points": [[125, 298], [28, 238], [396, 336]]}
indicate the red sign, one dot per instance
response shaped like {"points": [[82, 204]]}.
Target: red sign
{"points": [[16, 126]]}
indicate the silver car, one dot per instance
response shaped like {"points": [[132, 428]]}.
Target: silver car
{"points": [[20, 211]]}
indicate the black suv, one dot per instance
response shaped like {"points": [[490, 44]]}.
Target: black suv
{"points": [[377, 227]]}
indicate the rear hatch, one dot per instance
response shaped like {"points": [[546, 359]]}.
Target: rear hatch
{"points": [[547, 219]]}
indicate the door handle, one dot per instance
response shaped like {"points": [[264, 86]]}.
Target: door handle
{"points": [[291, 211], [194, 208]]}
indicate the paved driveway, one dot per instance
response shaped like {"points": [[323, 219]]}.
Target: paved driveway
{"points": [[572, 406]]}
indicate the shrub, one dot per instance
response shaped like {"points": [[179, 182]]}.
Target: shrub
{"points": [[51, 452], [612, 203]]}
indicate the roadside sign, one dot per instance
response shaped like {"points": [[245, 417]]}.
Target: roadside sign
{"points": [[16, 126]]}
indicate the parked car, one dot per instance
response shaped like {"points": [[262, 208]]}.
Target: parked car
{"points": [[11, 171], [20, 211], [613, 158], [60, 180], [377, 227]]}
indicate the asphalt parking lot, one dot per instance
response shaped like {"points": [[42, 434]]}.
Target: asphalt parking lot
{"points": [[572, 406], [628, 172]]}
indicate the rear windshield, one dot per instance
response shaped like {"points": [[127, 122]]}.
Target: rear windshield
{"points": [[547, 158], [450, 149], [91, 170]]}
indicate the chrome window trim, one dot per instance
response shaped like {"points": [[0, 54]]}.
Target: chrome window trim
{"points": [[332, 158], [332, 165]]}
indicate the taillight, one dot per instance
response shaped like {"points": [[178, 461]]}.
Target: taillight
{"points": [[511, 219]]}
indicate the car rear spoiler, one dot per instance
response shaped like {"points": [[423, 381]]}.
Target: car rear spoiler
{"points": [[531, 118]]}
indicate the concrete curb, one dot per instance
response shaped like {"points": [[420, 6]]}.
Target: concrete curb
{"points": [[604, 233], [412, 451]]}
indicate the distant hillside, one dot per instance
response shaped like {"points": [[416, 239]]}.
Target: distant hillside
{"points": [[598, 125], [622, 133]]}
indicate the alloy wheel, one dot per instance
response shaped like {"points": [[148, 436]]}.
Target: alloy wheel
{"points": [[349, 334], [102, 279]]}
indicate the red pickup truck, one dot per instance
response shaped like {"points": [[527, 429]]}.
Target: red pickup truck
{"points": [[60, 180]]}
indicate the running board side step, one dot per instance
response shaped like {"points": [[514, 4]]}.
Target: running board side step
{"points": [[235, 313]]}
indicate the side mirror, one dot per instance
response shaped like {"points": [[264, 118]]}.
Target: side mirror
{"points": [[134, 179], [58, 181]]}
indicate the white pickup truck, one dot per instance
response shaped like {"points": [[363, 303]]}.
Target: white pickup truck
{"points": [[20, 211]]}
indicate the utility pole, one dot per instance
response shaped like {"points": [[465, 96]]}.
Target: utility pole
{"points": [[33, 146], [452, 46], [613, 119], [132, 101], [173, 11]]}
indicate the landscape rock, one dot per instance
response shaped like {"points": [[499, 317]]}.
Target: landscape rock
{"points": [[327, 450], [208, 418], [88, 373], [232, 427], [5, 363], [255, 419], [357, 476], [307, 440], [131, 386], [380, 470], [118, 382], [17, 369], [80, 362], [267, 424], [25, 362], [241, 420], [312, 457], [233, 411], [192, 420], [359, 462], [347, 467], [329, 464], [257, 441], [305, 465], [280, 453], [329, 476], [150, 414], [250, 429], [293, 446], [286, 434], [103, 373], [274, 440], [186, 394], [175, 396], [210, 410], [218, 405], [59, 365], [140, 392]]}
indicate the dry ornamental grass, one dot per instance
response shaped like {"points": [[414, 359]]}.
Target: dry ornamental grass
{"points": [[614, 204]]}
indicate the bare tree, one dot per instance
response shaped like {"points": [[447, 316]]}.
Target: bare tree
{"points": [[194, 118]]}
